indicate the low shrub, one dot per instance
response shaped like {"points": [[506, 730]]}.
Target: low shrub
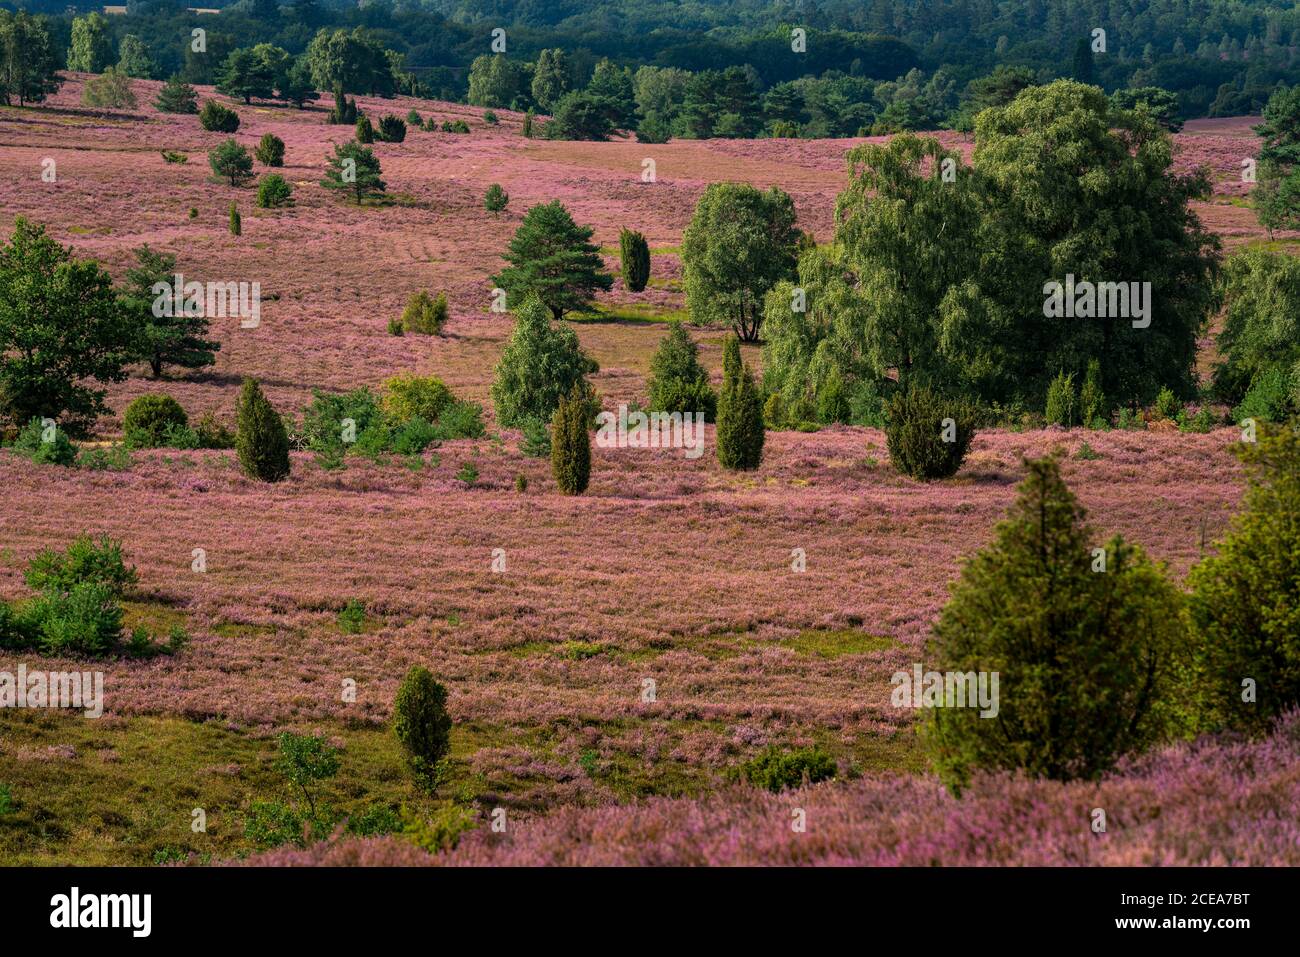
{"points": [[352, 619], [927, 435], [269, 150], [274, 192], [406, 396], [215, 118], [776, 770], [84, 562], [45, 443], [391, 129], [425, 314], [148, 417], [212, 434]]}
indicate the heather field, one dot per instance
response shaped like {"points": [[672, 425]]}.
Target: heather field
{"points": [[668, 569]]}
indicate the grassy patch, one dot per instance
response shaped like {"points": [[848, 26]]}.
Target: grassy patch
{"points": [[828, 643], [633, 313]]}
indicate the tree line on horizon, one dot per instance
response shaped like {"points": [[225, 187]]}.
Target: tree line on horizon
{"points": [[877, 65]]}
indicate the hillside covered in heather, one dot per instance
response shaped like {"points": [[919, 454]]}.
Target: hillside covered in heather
{"points": [[767, 607]]}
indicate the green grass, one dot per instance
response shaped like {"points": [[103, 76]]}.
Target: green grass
{"points": [[129, 791], [121, 790], [827, 643], [632, 313]]}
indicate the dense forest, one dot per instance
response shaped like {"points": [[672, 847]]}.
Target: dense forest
{"points": [[866, 65]]}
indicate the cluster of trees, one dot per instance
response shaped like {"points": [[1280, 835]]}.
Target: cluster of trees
{"points": [[937, 273], [1276, 196], [28, 60], [726, 69], [65, 328]]}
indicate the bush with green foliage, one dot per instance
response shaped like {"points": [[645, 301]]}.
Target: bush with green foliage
{"points": [[535, 441], [1245, 598], [413, 413], [677, 381], [776, 770], [425, 314], [1089, 645], [215, 118], [270, 150], [85, 619], [414, 119], [45, 444], [833, 399], [391, 129], [85, 561], [1272, 397], [408, 396], [1061, 401], [344, 111], [171, 156], [495, 199], [274, 192], [490, 118], [740, 433], [352, 618], [542, 362], [236, 221], [422, 724], [110, 89], [146, 420], [634, 259], [365, 130], [261, 441], [455, 126], [571, 442], [77, 610], [927, 435]]}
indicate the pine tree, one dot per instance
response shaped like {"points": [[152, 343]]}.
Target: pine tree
{"points": [[230, 160], [740, 433], [177, 339], [571, 443], [261, 441], [177, 96], [552, 256], [634, 258], [354, 167], [495, 199]]}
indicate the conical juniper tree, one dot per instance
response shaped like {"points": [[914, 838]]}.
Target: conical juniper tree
{"points": [[1088, 643]]}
